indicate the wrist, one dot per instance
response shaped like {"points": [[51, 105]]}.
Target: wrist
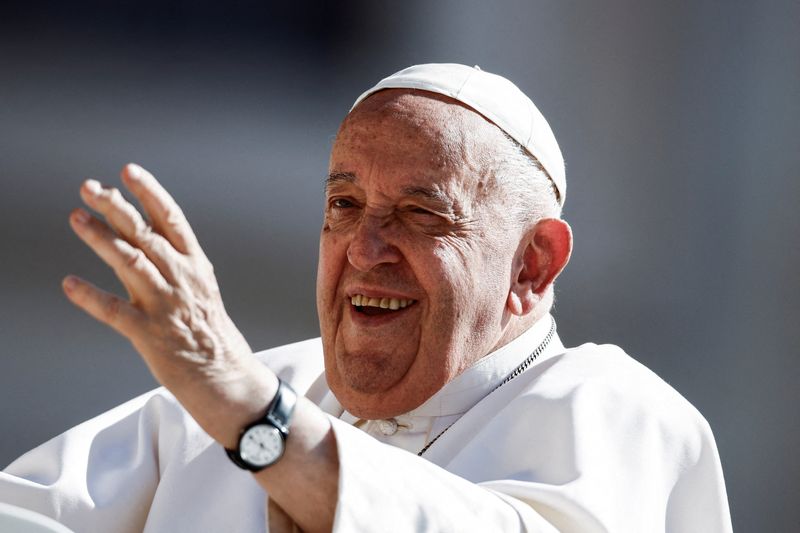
{"points": [[262, 442], [228, 401]]}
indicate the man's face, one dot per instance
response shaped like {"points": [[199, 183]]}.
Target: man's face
{"points": [[412, 222]]}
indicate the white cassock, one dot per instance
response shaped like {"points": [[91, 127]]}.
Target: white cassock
{"points": [[583, 440]]}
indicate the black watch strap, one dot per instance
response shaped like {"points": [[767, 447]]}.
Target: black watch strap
{"points": [[279, 415]]}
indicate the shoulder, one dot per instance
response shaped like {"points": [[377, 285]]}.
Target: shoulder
{"points": [[593, 427], [606, 370], [604, 385]]}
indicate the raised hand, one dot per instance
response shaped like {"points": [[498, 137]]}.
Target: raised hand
{"points": [[174, 314], [175, 318]]}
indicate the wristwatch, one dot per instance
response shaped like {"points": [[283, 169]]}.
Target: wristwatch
{"points": [[262, 442]]}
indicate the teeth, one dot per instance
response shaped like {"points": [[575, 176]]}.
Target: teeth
{"points": [[384, 303]]}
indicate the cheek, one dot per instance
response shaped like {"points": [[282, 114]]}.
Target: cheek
{"points": [[448, 284], [470, 284], [452, 269], [332, 256]]}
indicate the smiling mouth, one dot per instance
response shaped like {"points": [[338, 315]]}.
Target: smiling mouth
{"points": [[378, 306]]}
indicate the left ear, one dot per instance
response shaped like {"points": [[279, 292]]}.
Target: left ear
{"points": [[543, 253]]}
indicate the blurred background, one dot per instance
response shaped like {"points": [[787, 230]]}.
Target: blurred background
{"points": [[679, 122]]}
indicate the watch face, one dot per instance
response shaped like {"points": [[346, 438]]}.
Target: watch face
{"points": [[261, 445]]}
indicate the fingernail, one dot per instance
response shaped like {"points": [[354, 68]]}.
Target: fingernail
{"points": [[70, 282], [80, 216], [134, 171], [93, 187]]}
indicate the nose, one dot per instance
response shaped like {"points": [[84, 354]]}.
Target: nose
{"points": [[371, 244]]}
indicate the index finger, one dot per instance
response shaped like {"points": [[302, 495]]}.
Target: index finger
{"points": [[166, 216]]}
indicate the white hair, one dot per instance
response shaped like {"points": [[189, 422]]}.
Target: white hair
{"points": [[530, 195], [530, 192]]}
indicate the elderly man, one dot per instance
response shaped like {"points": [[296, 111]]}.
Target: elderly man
{"points": [[440, 244]]}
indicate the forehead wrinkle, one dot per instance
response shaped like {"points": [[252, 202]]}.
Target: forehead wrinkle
{"points": [[438, 120], [462, 133]]}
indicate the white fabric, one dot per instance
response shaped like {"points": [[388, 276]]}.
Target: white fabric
{"points": [[15, 519], [494, 97], [584, 440], [147, 466]]}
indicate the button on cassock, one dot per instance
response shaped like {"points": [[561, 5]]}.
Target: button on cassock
{"points": [[387, 427]]}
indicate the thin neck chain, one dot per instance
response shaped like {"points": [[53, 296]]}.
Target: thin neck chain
{"points": [[522, 367]]}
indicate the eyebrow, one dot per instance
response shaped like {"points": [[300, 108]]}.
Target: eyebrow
{"points": [[339, 177], [427, 193]]}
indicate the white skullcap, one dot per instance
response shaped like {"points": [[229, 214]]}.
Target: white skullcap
{"points": [[494, 97]]}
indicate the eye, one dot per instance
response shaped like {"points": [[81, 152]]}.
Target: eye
{"points": [[421, 212], [341, 203]]}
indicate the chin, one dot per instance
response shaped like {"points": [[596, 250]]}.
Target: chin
{"points": [[369, 371], [380, 402]]}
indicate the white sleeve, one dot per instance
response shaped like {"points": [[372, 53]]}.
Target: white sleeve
{"points": [[147, 466], [101, 474], [382, 488], [143, 466]]}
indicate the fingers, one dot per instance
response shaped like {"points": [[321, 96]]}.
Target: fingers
{"points": [[165, 214], [126, 220], [105, 307], [139, 275]]}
